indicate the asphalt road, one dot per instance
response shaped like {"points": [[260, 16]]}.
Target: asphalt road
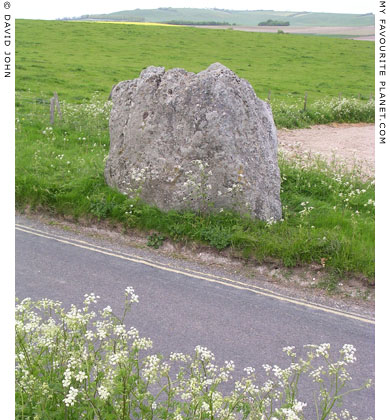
{"points": [[180, 309]]}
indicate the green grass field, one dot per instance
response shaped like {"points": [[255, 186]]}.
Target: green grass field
{"points": [[78, 58], [328, 212]]}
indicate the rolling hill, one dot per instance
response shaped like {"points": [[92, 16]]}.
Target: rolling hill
{"points": [[234, 17]]}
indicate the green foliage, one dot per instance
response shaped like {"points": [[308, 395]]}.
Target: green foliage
{"points": [[271, 22], [217, 236], [155, 240]]}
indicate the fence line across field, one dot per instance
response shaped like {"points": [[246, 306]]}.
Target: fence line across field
{"points": [[43, 101], [55, 106]]}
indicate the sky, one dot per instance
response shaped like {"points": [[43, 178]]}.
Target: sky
{"points": [[49, 9]]}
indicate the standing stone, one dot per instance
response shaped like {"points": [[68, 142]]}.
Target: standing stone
{"points": [[205, 141]]}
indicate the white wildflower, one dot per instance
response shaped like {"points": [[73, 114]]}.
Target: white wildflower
{"points": [[298, 406], [107, 310], [119, 330], [205, 407], [80, 376], [249, 370], [229, 365], [89, 335], [130, 295], [71, 397], [289, 349], [204, 353], [178, 356], [348, 351], [68, 377], [103, 392], [267, 368]]}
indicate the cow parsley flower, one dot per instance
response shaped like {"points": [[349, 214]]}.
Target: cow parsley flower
{"points": [[89, 335], [68, 378], [348, 351], [71, 396], [130, 295], [204, 353], [80, 376], [103, 392], [298, 406], [249, 370]]}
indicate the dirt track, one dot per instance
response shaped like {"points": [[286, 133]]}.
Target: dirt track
{"points": [[350, 143]]}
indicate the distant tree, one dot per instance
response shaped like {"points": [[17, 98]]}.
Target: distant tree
{"points": [[271, 22]]}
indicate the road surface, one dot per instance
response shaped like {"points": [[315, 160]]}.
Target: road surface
{"points": [[180, 308]]}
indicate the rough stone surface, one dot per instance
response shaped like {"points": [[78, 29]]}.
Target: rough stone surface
{"points": [[202, 141]]}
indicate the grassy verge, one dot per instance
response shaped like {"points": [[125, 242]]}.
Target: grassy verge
{"points": [[328, 211]]}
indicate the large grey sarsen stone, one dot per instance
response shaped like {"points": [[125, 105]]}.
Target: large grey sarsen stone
{"points": [[204, 141]]}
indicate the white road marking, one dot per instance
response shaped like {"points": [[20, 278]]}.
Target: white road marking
{"points": [[191, 273]]}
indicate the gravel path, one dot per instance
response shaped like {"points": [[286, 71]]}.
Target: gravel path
{"points": [[350, 143]]}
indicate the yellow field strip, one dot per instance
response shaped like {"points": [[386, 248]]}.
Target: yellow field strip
{"points": [[190, 273]]}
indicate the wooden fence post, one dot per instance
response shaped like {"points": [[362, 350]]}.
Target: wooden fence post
{"points": [[269, 95], [52, 111], [58, 105], [304, 105], [55, 103]]}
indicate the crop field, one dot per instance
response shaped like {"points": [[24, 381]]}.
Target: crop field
{"points": [[328, 211]]}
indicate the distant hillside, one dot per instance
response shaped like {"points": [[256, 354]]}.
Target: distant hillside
{"points": [[241, 17]]}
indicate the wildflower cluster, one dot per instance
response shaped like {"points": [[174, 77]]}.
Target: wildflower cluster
{"points": [[348, 188], [344, 110], [95, 112], [324, 111], [306, 209], [198, 184], [49, 134], [85, 364], [136, 179], [271, 221], [200, 189]]}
